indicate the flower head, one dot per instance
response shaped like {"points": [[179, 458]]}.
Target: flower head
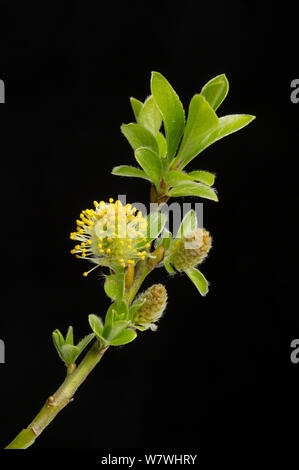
{"points": [[190, 250], [111, 235], [155, 300]]}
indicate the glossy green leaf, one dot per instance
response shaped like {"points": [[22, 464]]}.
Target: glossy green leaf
{"points": [[58, 339], [85, 341], [124, 337], [193, 189], [198, 280], [175, 177], [136, 106], [151, 164], [215, 91], [69, 339], [188, 224], [150, 116], [115, 285], [69, 353], [171, 110], [166, 239], [227, 125], [168, 266], [162, 145], [96, 324], [204, 177], [111, 333], [126, 170], [201, 121], [138, 136], [155, 224]]}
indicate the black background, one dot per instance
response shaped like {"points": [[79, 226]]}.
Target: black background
{"points": [[217, 373]]}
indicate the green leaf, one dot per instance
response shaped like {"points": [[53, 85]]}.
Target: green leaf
{"points": [[124, 337], [121, 309], [201, 121], [166, 239], [150, 163], [69, 353], [188, 224], [150, 116], [171, 110], [155, 224], [96, 324], [138, 136], [198, 280], [162, 145], [175, 177], [117, 327], [69, 339], [227, 125], [85, 341], [126, 170], [168, 266], [204, 177], [215, 91], [136, 106], [193, 189], [58, 339], [115, 285]]}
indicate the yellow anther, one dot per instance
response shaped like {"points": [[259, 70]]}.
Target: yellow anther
{"points": [[77, 247], [131, 261], [80, 223], [109, 239], [111, 199], [121, 260], [128, 206], [101, 251], [95, 203], [73, 251], [89, 242], [147, 245], [85, 274], [123, 265], [100, 245], [83, 244], [108, 250], [144, 239]]}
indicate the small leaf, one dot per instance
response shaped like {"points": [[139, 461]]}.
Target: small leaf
{"points": [[204, 177], [162, 145], [171, 110], [176, 177], [121, 308], [115, 285], [215, 91], [198, 280], [124, 337], [166, 239], [227, 125], [193, 189], [58, 339], [138, 136], [150, 163], [69, 353], [155, 224], [117, 327], [136, 106], [188, 224], [96, 324], [201, 121], [150, 116], [69, 339], [85, 341], [168, 266], [126, 170]]}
